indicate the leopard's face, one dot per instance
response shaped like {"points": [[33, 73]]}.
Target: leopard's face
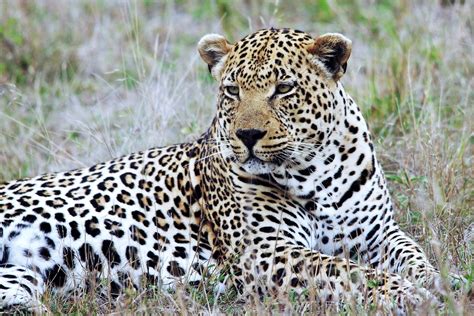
{"points": [[275, 103]]}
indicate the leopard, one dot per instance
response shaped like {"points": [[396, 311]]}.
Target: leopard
{"points": [[283, 191]]}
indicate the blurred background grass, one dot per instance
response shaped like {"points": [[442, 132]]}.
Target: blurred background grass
{"points": [[86, 81]]}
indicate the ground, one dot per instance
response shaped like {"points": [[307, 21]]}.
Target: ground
{"points": [[85, 82]]}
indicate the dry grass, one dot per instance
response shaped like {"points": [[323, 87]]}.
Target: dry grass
{"points": [[82, 82]]}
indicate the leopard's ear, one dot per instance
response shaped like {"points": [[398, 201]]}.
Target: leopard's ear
{"points": [[213, 49], [332, 50]]}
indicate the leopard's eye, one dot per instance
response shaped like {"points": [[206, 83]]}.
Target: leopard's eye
{"points": [[283, 88], [232, 90]]}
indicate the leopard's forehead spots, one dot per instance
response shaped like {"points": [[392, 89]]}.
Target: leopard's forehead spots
{"points": [[267, 56]]}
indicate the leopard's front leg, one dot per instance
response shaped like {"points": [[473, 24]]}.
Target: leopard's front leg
{"points": [[287, 268]]}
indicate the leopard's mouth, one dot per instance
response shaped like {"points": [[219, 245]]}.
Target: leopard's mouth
{"points": [[256, 165]]}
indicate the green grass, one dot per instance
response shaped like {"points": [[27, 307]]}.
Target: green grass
{"points": [[82, 82]]}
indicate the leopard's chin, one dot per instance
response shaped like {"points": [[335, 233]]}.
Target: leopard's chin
{"points": [[257, 166]]}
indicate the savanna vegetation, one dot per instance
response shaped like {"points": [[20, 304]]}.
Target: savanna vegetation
{"points": [[85, 81]]}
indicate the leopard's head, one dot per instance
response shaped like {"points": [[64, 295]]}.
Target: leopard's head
{"points": [[276, 102]]}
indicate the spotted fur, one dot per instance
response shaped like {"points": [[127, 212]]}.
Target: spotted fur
{"points": [[284, 189]]}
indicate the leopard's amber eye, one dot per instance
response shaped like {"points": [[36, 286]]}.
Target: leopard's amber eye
{"points": [[232, 90], [283, 88]]}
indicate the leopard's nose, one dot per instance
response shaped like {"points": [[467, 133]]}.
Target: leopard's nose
{"points": [[250, 136]]}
